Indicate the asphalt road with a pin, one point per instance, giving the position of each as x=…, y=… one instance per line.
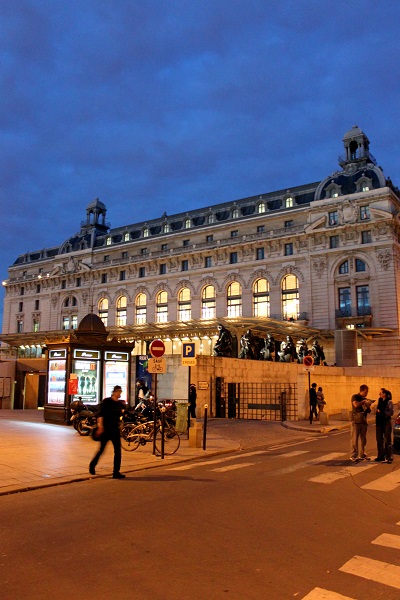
x=277, y=523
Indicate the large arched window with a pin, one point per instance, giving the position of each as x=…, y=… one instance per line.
x=234, y=299
x=261, y=298
x=184, y=305
x=103, y=310
x=121, y=311
x=290, y=297
x=344, y=268
x=261, y=207
x=70, y=301
x=162, y=307
x=140, y=309
x=208, y=302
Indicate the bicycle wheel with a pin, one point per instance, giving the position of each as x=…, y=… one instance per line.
x=171, y=440
x=130, y=437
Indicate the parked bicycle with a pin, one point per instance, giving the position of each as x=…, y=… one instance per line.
x=133, y=436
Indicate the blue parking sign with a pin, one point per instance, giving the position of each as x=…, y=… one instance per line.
x=188, y=350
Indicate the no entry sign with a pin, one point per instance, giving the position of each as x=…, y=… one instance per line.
x=308, y=361
x=157, y=348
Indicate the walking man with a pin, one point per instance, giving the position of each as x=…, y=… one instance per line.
x=384, y=413
x=360, y=408
x=108, y=430
x=313, y=402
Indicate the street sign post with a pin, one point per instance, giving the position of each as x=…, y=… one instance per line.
x=157, y=348
x=157, y=365
x=188, y=354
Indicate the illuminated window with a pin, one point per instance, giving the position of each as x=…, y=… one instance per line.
x=235, y=213
x=162, y=307
x=108, y=241
x=102, y=308
x=121, y=311
x=146, y=232
x=141, y=309
x=187, y=223
x=184, y=305
x=290, y=297
x=261, y=208
x=126, y=237
x=261, y=298
x=288, y=202
x=208, y=303
x=234, y=300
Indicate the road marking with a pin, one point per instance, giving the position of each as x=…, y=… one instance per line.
x=315, y=461
x=216, y=461
x=374, y=570
x=387, y=483
x=289, y=444
x=231, y=467
x=389, y=540
x=327, y=478
x=320, y=594
x=294, y=453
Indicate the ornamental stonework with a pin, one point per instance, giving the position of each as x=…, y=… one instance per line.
x=319, y=266
x=384, y=257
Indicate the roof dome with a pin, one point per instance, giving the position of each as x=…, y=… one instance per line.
x=91, y=323
x=96, y=203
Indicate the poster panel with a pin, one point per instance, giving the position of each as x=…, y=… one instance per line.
x=115, y=373
x=56, y=382
x=1, y=386
x=88, y=373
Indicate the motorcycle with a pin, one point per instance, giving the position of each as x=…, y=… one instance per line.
x=83, y=418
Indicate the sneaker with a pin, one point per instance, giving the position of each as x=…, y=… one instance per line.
x=118, y=476
x=364, y=457
x=354, y=459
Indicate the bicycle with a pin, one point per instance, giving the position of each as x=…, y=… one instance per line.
x=133, y=435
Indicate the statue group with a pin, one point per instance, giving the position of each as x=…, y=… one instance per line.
x=253, y=347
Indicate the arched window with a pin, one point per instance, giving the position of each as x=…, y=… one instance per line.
x=166, y=228
x=66, y=303
x=126, y=237
x=187, y=223
x=290, y=297
x=235, y=213
x=208, y=302
x=108, y=241
x=162, y=307
x=210, y=218
x=72, y=301
x=261, y=208
x=102, y=308
x=360, y=265
x=121, y=311
x=261, y=298
x=344, y=268
x=140, y=309
x=184, y=305
x=288, y=202
x=146, y=232
x=234, y=299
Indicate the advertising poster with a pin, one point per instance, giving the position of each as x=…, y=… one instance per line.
x=142, y=371
x=87, y=372
x=116, y=373
x=56, y=382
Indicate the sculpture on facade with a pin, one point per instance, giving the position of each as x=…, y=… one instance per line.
x=248, y=346
x=302, y=350
x=223, y=345
x=287, y=352
x=317, y=353
x=268, y=351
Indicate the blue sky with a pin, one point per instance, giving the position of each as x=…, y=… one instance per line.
x=159, y=105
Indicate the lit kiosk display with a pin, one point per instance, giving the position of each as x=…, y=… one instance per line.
x=84, y=364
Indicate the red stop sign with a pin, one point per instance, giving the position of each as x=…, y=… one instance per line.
x=308, y=361
x=157, y=348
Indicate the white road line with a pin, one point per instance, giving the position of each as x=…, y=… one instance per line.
x=387, y=483
x=289, y=444
x=293, y=453
x=374, y=570
x=327, y=478
x=320, y=594
x=389, y=540
x=231, y=467
x=315, y=461
x=216, y=461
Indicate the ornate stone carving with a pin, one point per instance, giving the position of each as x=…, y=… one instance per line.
x=319, y=266
x=384, y=257
x=54, y=300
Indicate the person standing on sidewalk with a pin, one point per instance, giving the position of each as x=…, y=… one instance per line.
x=361, y=406
x=108, y=421
x=192, y=400
x=313, y=402
x=383, y=417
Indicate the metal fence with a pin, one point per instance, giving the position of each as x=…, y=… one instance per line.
x=262, y=401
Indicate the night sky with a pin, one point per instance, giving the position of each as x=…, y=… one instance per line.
x=169, y=105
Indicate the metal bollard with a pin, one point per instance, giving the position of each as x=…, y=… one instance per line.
x=162, y=430
x=205, y=426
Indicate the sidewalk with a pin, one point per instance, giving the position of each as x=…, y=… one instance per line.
x=35, y=454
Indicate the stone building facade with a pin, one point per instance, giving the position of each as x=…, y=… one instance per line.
x=305, y=261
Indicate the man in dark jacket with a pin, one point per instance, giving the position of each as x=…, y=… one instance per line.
x=384, y=413
x=192, y=400
x=108, y=421
x=313, y=402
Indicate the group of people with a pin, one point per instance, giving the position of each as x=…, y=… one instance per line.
x=361, y=407
x=317, y=400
